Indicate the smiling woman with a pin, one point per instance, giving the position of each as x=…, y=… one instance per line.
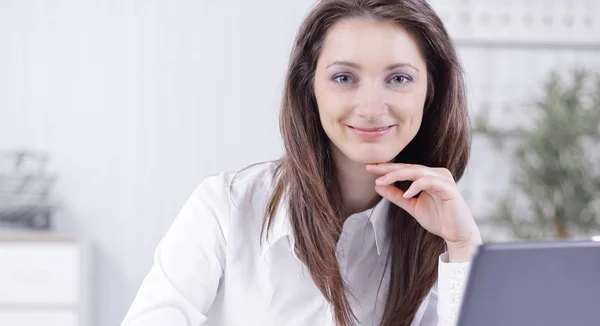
x=375, y=127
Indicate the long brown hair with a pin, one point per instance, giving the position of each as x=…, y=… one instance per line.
x=306, y=176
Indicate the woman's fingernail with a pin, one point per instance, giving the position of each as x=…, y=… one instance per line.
x=379, y=181
x=407, y=193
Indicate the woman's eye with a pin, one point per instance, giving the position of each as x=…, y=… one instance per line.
x=400, y=79
x=343, y=79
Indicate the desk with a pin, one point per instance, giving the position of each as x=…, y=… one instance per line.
x=40, y=280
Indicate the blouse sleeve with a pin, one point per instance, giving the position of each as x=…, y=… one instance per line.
x=452, y=279
x=446, y=296
x=189, y=263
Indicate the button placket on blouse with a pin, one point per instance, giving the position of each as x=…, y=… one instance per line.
x=352, y=226
x=342, y=248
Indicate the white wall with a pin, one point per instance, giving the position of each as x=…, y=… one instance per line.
x=137, y=101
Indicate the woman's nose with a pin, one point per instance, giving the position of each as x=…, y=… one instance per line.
x=371, y=103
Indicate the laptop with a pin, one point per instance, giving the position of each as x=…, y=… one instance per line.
x=555, y=283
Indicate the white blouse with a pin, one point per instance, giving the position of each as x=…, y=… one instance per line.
x=211, y=269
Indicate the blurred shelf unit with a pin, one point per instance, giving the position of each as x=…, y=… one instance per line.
x=522, y=23
x=41, y=280
x=25, y=186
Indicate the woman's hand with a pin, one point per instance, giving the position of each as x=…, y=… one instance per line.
x=440, y=208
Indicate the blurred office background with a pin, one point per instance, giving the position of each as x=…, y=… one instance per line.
x=111, y=112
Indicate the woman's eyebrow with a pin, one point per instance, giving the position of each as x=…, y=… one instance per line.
x=357, y=66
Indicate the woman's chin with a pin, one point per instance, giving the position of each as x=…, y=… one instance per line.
x=374, y=158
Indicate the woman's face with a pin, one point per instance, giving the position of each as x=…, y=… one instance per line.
x=370, y=86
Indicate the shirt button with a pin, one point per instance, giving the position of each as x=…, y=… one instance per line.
x=454, y=311
x=457, y=285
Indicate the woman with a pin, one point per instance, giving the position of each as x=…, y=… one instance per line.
x=361, y=222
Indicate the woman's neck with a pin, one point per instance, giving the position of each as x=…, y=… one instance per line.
x=357, y=185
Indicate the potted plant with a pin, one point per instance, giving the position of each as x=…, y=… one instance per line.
x=555, y=189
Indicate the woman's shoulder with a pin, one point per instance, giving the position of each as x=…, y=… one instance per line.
x=232, y=203
x=244, y=186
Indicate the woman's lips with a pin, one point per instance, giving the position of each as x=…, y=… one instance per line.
x=371, y=132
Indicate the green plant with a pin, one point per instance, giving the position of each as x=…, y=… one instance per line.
x=555, y=190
